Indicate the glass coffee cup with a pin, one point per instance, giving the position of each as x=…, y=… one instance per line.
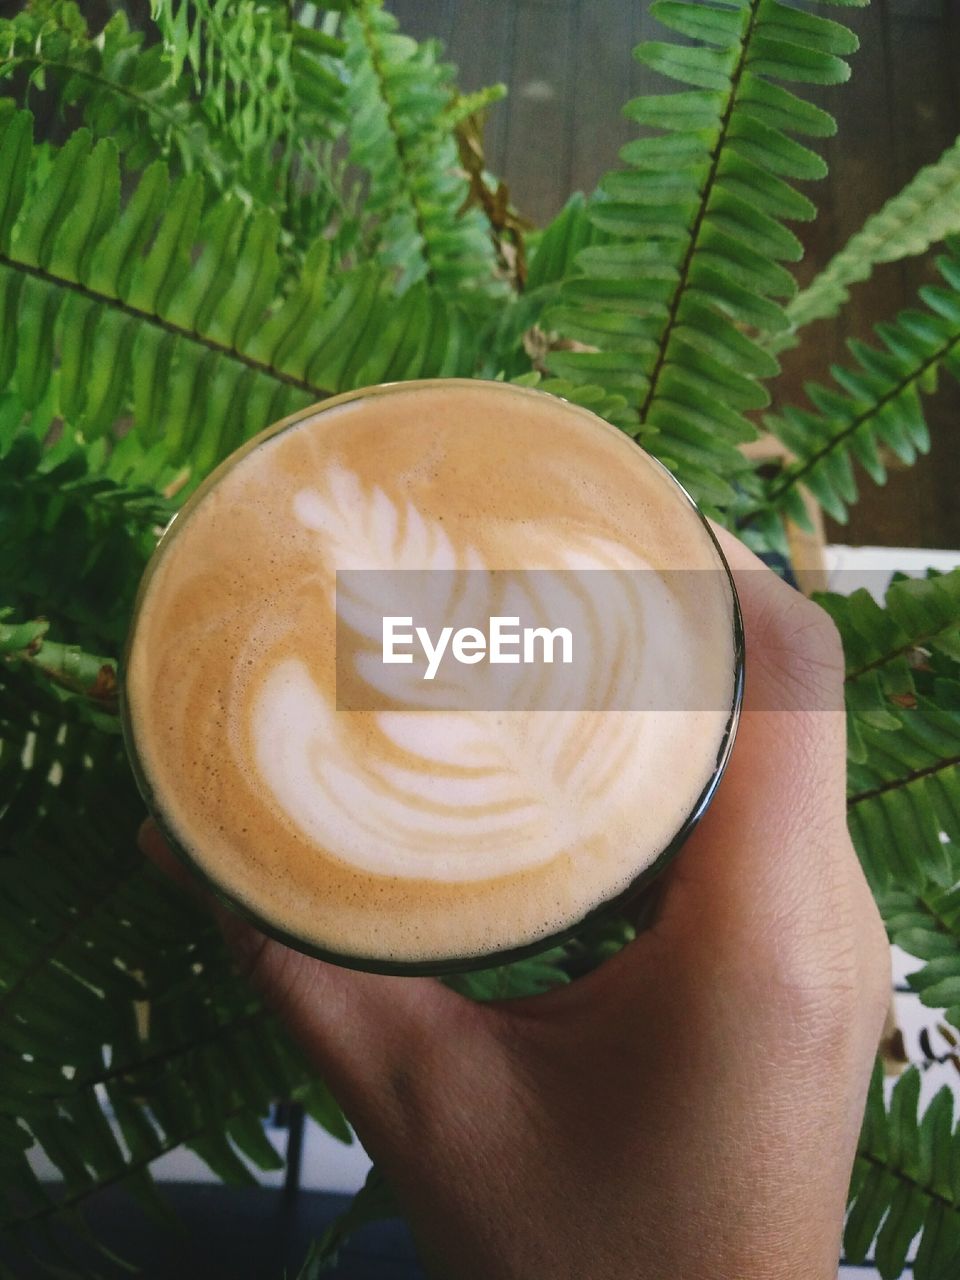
x=430, y=676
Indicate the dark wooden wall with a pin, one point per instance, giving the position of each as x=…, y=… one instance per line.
x=568, y=68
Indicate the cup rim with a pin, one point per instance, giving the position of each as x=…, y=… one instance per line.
x=437, y=966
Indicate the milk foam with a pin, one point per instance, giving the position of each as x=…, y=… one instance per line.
x=421, y=834
x=517, y=789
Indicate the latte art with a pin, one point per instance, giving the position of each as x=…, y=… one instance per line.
x=378, y=814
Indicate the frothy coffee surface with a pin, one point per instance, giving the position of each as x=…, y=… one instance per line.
x=411, y=835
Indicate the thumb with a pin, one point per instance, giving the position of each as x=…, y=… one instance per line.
x=364, y=1031
x=772, y=858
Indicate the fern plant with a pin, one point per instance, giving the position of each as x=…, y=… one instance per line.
x=238, y=209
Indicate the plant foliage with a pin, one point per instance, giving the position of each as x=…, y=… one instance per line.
x=240, y=208
x=399, y=100
x=876, y=403
x=903, y=797
x=906, y=1179
x=674, y=305
x=925, y=211
x=140, y=308
x=925, y=921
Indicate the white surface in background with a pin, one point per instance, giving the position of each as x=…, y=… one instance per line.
x=871, y=562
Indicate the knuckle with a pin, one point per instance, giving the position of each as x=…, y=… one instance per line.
x=829, y=975
x=876, y=967
x=799, y=644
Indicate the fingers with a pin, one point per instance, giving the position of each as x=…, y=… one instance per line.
x=789, y=761
x=771, y=873
x=361, y=1029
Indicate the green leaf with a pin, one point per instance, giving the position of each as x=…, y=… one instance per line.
x=397, y=102
x=879, y=401
x=42, y=218
x=704, y=68
x=925, y=211
x=222, y=344
x=14, y=154
x=898, y=1185
x=686, y=281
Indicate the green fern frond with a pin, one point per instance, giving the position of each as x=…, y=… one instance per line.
x=253, y=64
x=73, y=543
x=270, y=89
x=876, y=402
x=903, y=716
x=399, y=102
x=521, y=978
x=906, y=792
x=135, y=96
x=48, y=747
x=672, y=310
x=906, y=1179
x=605, y=404
x=506, y=350
x=124, y=90
x=925, y=922
x=925, y=211
x=888, y=649
x=554, y=250
x=170, y=308
x=125, y=1031
x=917, y=614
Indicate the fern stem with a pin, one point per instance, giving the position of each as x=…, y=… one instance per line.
x=112, y=85
x=376, y=62
x=791, y=478
x=916, y=643
x=897, y=783
x=902, y=1176
x=260, y=366
x=663, y=346
x=69, y=668
x=118, y=876
x=183, y=1049
x=216, y=1122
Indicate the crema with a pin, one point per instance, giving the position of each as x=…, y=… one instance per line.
x=369, y=813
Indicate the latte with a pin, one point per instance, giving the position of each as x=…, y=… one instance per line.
x=437, y=809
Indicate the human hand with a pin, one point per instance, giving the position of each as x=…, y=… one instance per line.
x=689, y=1109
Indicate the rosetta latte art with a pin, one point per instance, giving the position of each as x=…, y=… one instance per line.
x=465, y=795
x=368, y=812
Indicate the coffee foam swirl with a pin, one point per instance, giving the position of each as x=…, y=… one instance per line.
x=414, y=834
x=462, y=795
